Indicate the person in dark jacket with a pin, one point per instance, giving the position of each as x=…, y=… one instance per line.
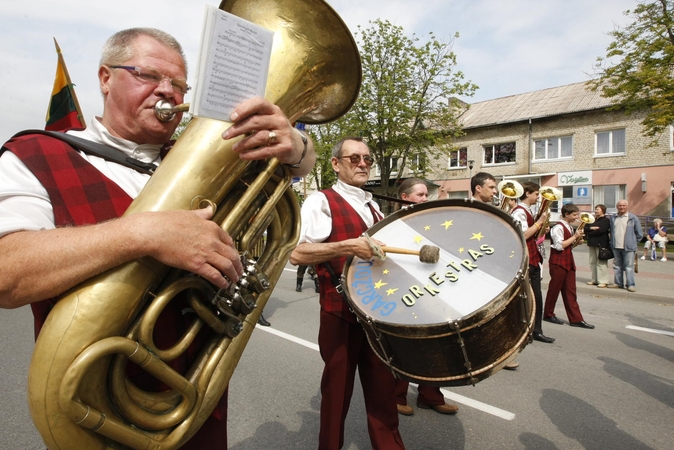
x=598, y=236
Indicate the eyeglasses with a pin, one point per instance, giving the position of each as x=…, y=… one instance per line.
x=151, y=76
x=355, y=159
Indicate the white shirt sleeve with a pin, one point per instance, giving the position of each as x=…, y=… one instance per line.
x=24, y=202
x=557, y=235
x=521, y=216
x=316, y=219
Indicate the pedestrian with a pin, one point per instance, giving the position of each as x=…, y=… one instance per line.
x=626, y=233
x=598, y=237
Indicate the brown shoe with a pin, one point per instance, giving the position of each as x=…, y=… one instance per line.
x=512, y=366
x=442, y=409
x=405, y=410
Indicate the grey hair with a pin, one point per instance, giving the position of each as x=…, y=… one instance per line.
x=337, y=148
x=119, y=49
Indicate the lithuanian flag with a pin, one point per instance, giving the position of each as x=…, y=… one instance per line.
x=64, y=110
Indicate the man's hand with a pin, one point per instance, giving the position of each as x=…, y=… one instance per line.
x=268, y=133
x=188, y=240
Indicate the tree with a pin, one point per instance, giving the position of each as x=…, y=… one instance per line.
x=406, y=111
x=642, y=77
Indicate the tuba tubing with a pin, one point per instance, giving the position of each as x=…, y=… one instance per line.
x=79, y=358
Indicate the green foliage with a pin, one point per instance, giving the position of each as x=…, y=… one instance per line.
x=182, y=125
x=406, y=112
x=642, y=77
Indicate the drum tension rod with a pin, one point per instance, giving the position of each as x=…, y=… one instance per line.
x=456, y=325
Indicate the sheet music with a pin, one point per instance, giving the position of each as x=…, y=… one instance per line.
x=233, y=64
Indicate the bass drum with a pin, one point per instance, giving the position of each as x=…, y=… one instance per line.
x=454, y=322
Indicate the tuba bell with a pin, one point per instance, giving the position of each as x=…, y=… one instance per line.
x=548, y=195
x=509, y=189
x=79, y=394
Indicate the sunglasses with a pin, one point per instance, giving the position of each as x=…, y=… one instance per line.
x=355, y=159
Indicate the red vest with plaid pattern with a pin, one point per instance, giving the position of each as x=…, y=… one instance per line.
x=79, y=193
x=565, y=257
x=534, y=254
x=346, y=224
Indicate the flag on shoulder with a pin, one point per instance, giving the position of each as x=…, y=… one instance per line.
x=64, y=110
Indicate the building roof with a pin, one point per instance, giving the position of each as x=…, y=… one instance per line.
x=555, y=101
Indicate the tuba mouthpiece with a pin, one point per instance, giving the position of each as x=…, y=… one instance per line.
x=166, y=112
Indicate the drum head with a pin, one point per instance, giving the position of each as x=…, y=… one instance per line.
x=482, y=254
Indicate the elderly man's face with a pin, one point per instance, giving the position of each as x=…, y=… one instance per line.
x=354, y=174
x=622, y=207
x=129, y=101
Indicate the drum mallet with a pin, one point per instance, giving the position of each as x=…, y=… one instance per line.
x=428, y=254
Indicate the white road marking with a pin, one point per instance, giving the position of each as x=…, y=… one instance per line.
x=650, y=330
x=489, y=409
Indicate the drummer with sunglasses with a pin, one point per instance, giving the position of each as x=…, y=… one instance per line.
x=333, y=221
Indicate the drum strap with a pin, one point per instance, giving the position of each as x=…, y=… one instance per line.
x=335, y=280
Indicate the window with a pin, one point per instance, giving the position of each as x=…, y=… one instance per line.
x=553, y=148
x=671, y=137
x=499, y=153
x=610, y=142
x=412, y=164
x=608, y=196
x=458, y=158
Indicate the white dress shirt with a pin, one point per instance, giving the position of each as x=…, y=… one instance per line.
x=316, y=216
x=557, y=234
x=24, y=202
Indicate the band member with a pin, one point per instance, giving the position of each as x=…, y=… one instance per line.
x=60, y=209
x=522, y=213
x=332, y=223
x=563, y=269
x=415, y=190
x=483, y=188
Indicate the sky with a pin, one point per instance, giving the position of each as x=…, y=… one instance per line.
x=506, y=47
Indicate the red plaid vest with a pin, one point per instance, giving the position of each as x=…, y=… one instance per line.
x=565, y=257
x=79, y=193
x=534, y=254
x=346, y=224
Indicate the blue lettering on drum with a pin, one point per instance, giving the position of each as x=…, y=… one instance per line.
x=364, y=287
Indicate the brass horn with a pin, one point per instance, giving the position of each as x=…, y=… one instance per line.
x=79, y=395
x=509, y=189
x=548, y=195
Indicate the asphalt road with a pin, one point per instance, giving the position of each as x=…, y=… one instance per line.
x=608, y=388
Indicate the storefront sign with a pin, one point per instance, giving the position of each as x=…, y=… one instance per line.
x=581, y=195
x=575, y=178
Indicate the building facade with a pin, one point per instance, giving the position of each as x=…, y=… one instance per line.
x=566, y=138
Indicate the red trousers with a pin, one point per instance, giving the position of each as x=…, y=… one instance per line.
x=564, y=281
x=344, y=348
x=429, y=395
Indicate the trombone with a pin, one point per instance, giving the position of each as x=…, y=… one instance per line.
x=509, y=189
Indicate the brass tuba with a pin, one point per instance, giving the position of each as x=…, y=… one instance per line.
x=79, y=395
x=548, y=195
x=509, y=189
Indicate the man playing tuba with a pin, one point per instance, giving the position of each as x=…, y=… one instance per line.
x=64, y=205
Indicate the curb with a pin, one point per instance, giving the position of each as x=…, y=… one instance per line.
x=616, y=293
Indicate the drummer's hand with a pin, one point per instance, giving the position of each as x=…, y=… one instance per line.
x=361, y=248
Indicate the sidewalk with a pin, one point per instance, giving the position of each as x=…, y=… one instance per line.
x=654, y=281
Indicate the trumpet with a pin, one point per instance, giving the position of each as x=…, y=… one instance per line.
x=548, y=195
x=509, y=189
x=586, y=218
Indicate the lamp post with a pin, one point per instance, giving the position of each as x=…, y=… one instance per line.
x=470, y=168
